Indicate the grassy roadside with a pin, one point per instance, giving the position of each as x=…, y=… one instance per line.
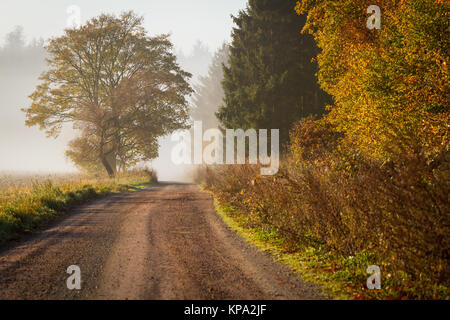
x=26, y=208
x=340, y=277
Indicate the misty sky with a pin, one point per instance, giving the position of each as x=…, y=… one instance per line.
x=24, y=148
x=187, y=21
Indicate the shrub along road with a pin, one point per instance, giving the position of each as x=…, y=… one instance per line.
x=165, y=242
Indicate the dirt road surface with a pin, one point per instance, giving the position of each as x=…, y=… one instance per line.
x=165, y=242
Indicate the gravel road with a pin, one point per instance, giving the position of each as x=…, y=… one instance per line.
x=165, y=242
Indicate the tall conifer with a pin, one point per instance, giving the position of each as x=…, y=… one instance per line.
x=270, y=82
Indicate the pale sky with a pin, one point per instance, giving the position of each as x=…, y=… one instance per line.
x=187, y=21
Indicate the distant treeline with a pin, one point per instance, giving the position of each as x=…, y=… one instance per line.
x=17, y=57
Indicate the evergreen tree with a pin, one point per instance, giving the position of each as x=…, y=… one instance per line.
x=196, y=62
x=209, y=93
x=271, y=80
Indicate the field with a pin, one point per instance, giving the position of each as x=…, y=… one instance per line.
x=29, y=201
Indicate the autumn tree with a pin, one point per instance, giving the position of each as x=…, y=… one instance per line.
x=270, y=82
x=209, y=92
x=121, y=88
x=390, y=85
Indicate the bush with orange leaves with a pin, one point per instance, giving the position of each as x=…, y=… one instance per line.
x=326, y=197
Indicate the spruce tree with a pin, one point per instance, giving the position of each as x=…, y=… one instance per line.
x=270, y=81
x=209, y=93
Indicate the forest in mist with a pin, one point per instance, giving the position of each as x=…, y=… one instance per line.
x=22, y=148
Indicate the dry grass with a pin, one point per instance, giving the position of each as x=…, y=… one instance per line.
x=30, y=201
x=393, y=215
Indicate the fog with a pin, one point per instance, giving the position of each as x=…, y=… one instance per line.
x=23, y=148
x=195, y=62
x=197, y=29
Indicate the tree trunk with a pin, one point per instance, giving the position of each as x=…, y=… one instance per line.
x=109, y=169
x=112, y=160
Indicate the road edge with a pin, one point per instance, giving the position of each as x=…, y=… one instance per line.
x=298, y=264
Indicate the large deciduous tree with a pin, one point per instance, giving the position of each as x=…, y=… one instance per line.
x=270, y=82
x=120, y=87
